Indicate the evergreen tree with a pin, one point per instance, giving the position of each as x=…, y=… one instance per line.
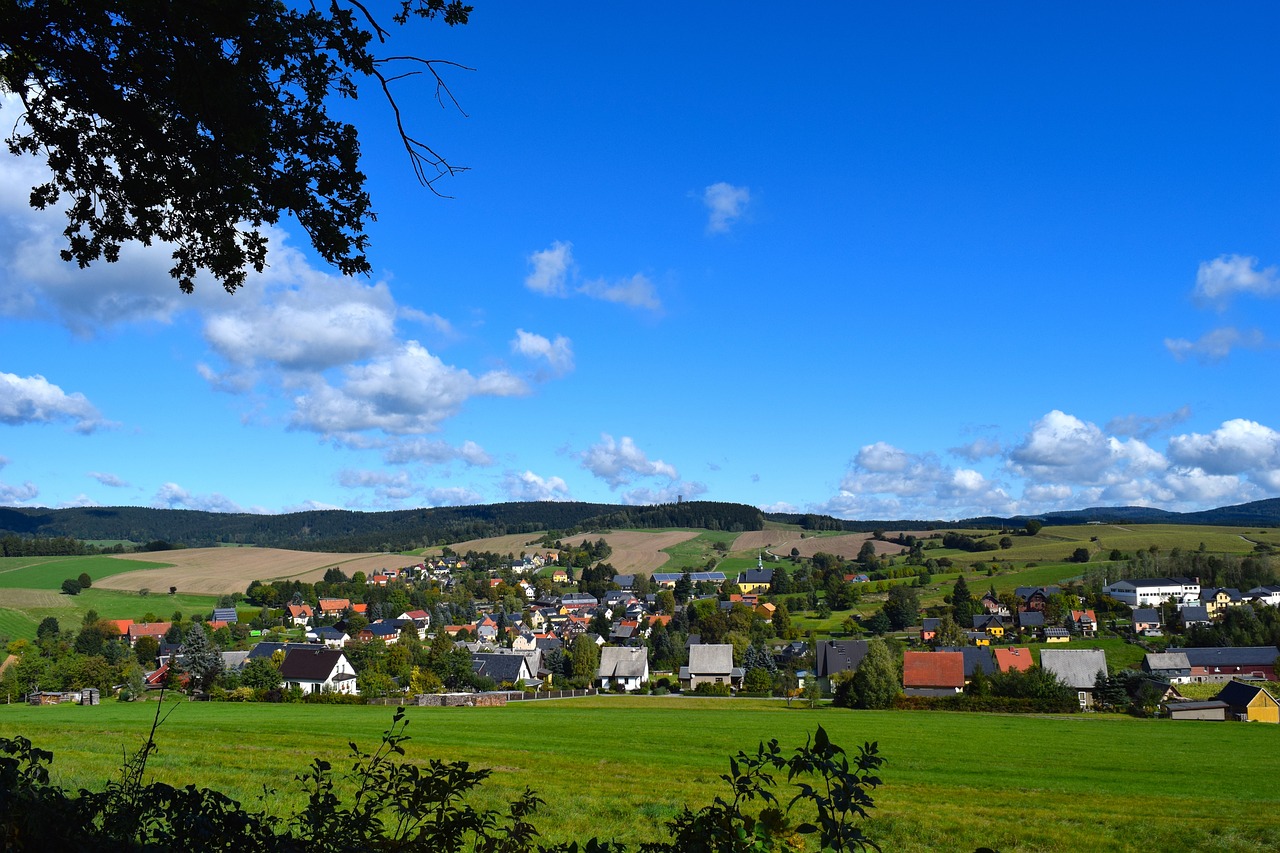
x=877, y=681
x=962, y=603
x=200, y=659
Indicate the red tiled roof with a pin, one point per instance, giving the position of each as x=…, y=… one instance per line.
x=360, y=608
x=1018, y=658
x=330, y=605
x=149, y=629
x=933, y=669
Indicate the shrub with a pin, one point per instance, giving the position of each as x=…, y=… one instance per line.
x=71, y=586
x=706, y=688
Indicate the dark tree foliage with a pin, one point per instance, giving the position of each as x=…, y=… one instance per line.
x=198, y=123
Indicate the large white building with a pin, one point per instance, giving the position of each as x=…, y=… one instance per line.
x=1148, y=592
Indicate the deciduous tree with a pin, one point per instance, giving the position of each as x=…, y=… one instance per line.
x=197, y=124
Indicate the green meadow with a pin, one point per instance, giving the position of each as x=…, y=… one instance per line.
x=50, y=572
x=618, y=767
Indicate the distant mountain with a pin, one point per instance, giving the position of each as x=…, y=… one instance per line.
x=347, y=531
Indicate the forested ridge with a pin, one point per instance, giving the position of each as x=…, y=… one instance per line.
x=350, y=531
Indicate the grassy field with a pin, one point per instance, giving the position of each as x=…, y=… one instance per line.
x=50, y=572
x=24, y=608
x=619, y=767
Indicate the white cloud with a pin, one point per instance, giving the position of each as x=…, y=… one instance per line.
x=554, y=271
x=1237, y=447
x=528, y=486
x=387, y=486
x=666, y=495
x=1217, y=281
x=1216, y=345
x=435, y=452
x=452, y=496
x=550, y=269
x=726, y=204
x=310, y=506
x=558, y=353
x=18, y=495
x=110, y=480
x=173, y=496
x=1063, y=448
x=620, y=462
x=884, y=482
x=34, y=399
x=79, y=500
x=410, y=391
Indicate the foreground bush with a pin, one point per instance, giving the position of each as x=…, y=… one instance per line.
x=402, y=806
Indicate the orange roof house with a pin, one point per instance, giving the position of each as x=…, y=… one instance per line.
x=334, y=606
x=932, y=673
x=1015, y=657
x=156, y=630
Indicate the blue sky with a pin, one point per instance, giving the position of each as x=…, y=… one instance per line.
x=930, y=261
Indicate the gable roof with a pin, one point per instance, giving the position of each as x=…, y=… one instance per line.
x=1146, y=614
x=1166, y=660
x=500, y=667
x=707, y=658
x=224, y=614
x=1239, y=694
x=975, y=658
x=839, y=656
x=932, y=669
x=618, y=662
x=310, y=664
x=1078, y=668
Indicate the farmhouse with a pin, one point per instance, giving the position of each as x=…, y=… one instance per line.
x=1172, y=666
x=316, y=670
x=835, y=656
x=155, y=630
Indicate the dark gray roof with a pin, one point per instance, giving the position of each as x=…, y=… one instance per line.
x=1239, y=694
x=929, y=624
x=839, y=656
x=224, y=614
x=266, y=650
x=624, y=581
x=1146, y=614
x=756, y=576
x=310, y=664
x=975, y=658
x=1242, y=656
x=1031, y=619
x=499, y=667
x=1195, y=613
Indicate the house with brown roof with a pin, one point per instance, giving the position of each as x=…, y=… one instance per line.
x=300, y=614
x=932, y=673
x=334, y=606
x=155, y=630
x=318, y=670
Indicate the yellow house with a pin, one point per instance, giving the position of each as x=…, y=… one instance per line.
x=1250, y=702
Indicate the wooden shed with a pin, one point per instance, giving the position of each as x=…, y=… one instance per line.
x=1250, y=702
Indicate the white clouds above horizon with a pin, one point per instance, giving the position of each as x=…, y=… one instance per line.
x=621, y=462
x=528, y=486
x=553, y=272
x=1064, y=462
x=174, y=496
x=558, y=353
x=725, y=204
x=108, y=480
x=1220, y=280
x=34, y=399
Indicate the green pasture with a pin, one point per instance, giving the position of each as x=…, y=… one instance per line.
x=50, y=572
x=618, y=767
x=694, y=553
x=21, y=610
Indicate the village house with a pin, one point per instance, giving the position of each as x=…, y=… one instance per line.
x=990, y=624
x=504, y=669
x=333, y=607
x=625, y=667
x=932, y=673
x=1085, y=622
x=300, y=615
x=1077, y=668
x=929, y=629
x=1173, y=666
x=1216, y=601
x=710, y=664
x=155, y=630
x=316, y=670
x=1013, y=658
x=1146, y=622
x=832, y=657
